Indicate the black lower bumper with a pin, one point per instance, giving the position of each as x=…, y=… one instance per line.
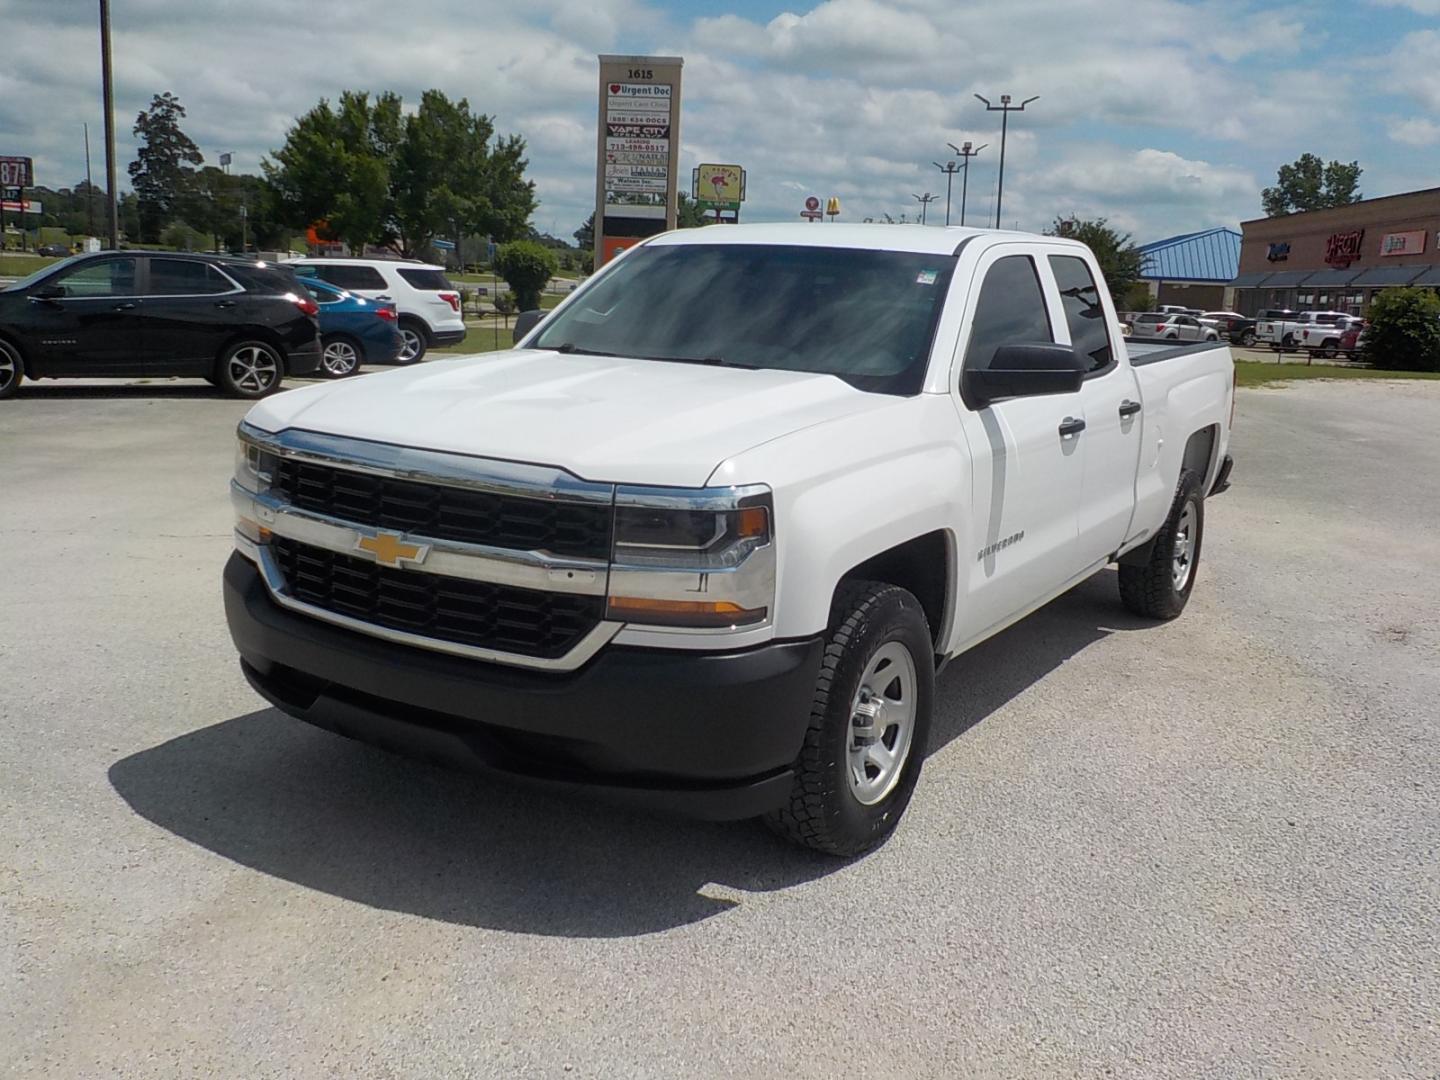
x=708, y=734
x=304, y=359
x=441, y=338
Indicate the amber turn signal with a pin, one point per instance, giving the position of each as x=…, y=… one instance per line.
x=710, y=614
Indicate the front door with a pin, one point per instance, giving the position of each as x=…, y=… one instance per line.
x=91, y=325
x=191, y=310
x=1113, y=421
x=1027, y=471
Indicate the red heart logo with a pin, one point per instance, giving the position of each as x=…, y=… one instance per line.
x=614, y=87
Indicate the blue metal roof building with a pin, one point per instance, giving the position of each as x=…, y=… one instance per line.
x=1208, y=257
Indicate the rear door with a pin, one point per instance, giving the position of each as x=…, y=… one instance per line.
x=437, y=299
x=190, y=313
x=1025, y=475
x=93, y=327
x=1110, y=399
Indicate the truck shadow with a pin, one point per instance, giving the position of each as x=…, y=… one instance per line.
x=329, y=814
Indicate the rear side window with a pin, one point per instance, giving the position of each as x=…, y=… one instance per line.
x=351, y=277
x=430, y=280
x=1010, y=311
x=185, y=277
x=1084, y=313
x=321, y=295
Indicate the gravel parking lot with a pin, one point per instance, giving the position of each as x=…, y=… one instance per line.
x=1204, y=849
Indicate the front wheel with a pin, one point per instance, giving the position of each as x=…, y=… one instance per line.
x=12, y=371
x=1247, y=338
x=413, y=344
x=869, y=723
x=250, y=369
x=340, y=358
x=1160, y=586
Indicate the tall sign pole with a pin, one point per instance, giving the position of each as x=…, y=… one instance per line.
x=637, y=151
x=966, y=151
x=1004, y=109
x=108, y=92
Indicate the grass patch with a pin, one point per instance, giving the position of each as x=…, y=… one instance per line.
x=16, y=265
x=485, y=335
x=1258, y=373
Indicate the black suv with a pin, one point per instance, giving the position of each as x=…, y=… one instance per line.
x=239, y=323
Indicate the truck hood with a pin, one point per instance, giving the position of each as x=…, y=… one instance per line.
x=610, y=419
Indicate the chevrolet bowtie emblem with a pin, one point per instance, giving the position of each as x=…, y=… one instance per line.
x=390, y=550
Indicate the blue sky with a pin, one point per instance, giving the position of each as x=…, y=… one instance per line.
x=1163, y=115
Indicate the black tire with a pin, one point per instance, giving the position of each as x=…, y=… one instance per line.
x=12, y=369
x=1172, y=337
x=1247, y=338
x=1288, y=341
x=250, y=369
x=340, y=356
x=871, y=622
x=417, y=341
x=1153, y=588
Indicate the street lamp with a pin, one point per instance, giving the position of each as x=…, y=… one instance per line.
x=965, y=151
x=1005, y=109
x=949, y=169
x=924, y=201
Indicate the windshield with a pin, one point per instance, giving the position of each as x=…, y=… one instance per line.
x=865, y=316
x=45, y=271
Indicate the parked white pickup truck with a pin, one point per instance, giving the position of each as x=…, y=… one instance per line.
x=1287, y=333
x=703, y=539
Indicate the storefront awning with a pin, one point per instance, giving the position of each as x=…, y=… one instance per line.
x=1330, y=279
x=1429, y=275
x=1249, y=281
x=1389, y=275
x=1287, y=279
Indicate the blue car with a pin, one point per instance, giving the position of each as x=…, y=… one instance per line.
x=353, y=330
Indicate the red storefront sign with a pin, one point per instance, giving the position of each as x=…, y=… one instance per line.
x=1344, y=248
x=1403, y=243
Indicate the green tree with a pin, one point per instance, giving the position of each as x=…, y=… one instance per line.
x=688, y=214
x=1118, y=257
x=1307, y=183
x=585, y=235
x=1404, y=331
x=526, y=266
x=164, y=165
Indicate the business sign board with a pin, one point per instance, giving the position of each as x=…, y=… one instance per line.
x=1403, y=243
x=637, y=147
x=16, y=206
x=718, y=184
x=1341, y=249
x=16, y=172
x=1278, y=252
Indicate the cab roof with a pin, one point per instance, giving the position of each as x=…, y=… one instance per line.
x=920, y=239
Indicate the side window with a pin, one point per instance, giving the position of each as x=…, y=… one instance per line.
x=109, y=277
x=1084, y=313
x=321, y=295
x=351, y=277
x=1010, y=311
x=184, y=277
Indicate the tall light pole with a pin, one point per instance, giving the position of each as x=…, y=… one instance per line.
x=1004, y=109
x=925, y=201
x=966, y=151
x=949, y=169
x=108, y=92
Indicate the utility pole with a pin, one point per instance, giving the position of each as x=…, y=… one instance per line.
x=966, y=151
x=925, y=201
x=108, y=91
x=949, y=169
x=89, y=187
x=1004, y=109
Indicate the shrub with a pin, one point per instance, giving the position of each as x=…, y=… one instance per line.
x=1404, y=332
x=526, y=266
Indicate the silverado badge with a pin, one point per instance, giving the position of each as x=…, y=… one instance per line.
x=390, y=550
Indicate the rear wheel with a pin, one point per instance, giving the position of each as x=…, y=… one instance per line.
x=1247, y=338
x=341, y=356
x=869, y=723
x=12, y=370
x=413, y=342
x=1159, y=587
x=250, y=369
x=1288, y=341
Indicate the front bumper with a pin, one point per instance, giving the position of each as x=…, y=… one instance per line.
x=713, y=735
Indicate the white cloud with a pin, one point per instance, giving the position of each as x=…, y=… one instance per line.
x=1420, y=7
x=1415, y=131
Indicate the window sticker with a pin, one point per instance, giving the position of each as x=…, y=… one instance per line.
x=927, y=277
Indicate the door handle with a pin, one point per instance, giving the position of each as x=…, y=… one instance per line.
x=124, y=307
x=1071, y=426
x=224, y=303
x=1129, y=408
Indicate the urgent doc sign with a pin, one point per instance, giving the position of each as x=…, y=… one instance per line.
x=637, y=147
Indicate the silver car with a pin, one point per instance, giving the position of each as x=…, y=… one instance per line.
x=1174, y=328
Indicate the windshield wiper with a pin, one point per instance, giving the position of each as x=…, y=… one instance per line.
x=708, y=361
x=569, y=347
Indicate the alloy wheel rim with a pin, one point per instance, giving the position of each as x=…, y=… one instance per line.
x=1184, y=550
x=882, y=723
x=340, y=358
x=8, y=368
x=411, y=348
x=254, y=369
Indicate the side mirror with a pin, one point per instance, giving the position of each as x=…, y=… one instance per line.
x=525, y=322
x=1024, y=371
x=48, y=292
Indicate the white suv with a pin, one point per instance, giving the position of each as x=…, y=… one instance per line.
x=428, y=305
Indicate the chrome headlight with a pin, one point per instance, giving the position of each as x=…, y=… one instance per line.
x=254, y=468
x=702, y=558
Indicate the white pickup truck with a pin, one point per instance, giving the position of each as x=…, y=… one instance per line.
x=704, y=537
